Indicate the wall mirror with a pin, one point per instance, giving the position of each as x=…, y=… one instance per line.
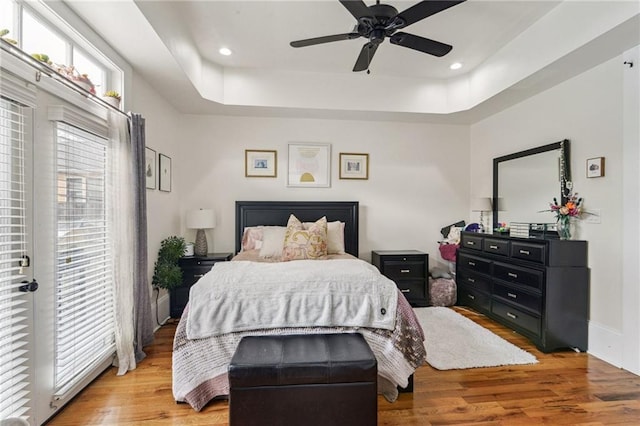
x=525, y=182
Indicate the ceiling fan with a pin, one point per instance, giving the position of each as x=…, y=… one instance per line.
x=382, y=20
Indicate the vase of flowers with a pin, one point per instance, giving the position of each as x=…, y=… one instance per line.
x=566, y=215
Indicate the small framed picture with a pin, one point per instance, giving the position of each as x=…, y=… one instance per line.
x=150, y=167
x=354, y=166
x=260, y=163
x=595, y=167
x=165, y=173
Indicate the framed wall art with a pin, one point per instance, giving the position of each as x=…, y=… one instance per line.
x=354, y=166
x=260, y=163
x=595, y=167
x=165, y=173
x=150, y=167
x=309, y=165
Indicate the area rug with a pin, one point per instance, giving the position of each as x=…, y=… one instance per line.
x=453, y=342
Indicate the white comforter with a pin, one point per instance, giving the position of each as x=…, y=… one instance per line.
x=241, y=296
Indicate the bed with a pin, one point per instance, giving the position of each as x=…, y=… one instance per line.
x=200, y=359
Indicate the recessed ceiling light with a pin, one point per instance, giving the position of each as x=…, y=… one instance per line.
x=225, y=51
x=455, y=66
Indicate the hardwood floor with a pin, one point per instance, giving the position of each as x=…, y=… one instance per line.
x=563, y=388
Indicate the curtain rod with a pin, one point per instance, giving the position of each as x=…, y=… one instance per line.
x=40, y=67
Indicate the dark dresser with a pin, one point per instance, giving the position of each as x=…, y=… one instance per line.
x=193, y=268
x=409, y=269
x=537, y=287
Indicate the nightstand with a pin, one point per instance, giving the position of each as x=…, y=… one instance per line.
x=193, y=268
x=408, y=269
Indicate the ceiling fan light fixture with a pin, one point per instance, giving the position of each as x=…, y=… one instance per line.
x=225, y=51
x=455, y=66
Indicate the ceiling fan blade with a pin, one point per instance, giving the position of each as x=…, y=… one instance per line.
x=357, y=8
x=365, y=57
x=421, y=44
x=325, y=39
x=423, y=10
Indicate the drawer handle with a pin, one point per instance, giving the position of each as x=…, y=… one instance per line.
x=405, y=271
x=198, y=275
x=512, y=316
x=471, y=297
x=405, y=290
x=493, y=247
x=525, y=252
x=511, y=295
x=471, y=280
x=512, y=275
x=471, y=243
x=472, y=263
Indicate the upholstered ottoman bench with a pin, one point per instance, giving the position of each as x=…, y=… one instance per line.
x=311, y=379
x=443, y=292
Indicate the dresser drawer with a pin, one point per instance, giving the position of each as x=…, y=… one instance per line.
x=494, y=246
x=514, y=274
x=192, y=274
x=473, y=298
x=474, y=281
x=473, y=242
x=516, y=296
x=400, y=269
x=528, y=251
x=412, y=289
x=517, y=317
x=475, y=264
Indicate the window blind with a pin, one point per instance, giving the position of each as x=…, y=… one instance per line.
x=84, y=311
x=14, y=361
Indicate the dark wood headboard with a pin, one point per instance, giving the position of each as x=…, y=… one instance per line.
x=276, y=213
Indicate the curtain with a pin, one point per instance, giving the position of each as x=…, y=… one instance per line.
x=142, y=306
x=121, y=206
x=134, y=326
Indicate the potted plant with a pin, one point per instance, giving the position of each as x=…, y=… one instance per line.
x=3, y=35
x=82, y=80
x=167, y=273
x=112, y=98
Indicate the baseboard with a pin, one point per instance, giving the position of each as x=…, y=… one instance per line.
x=162, y=306
x=605, y=343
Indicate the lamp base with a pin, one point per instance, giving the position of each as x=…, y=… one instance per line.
x=201, y=249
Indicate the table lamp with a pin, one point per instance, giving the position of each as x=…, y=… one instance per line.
x=481, y=204
x=201, y=219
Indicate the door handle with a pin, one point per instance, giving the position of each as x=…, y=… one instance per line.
x=29, y=286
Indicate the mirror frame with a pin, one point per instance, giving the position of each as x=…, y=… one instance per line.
x=565, y=181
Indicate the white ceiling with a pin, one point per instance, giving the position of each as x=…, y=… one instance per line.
x=174, y=46
x=259, y=33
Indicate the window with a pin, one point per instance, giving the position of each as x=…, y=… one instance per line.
x=38, y=38
x=14, y=354
x=84, y=317
x=35, y=34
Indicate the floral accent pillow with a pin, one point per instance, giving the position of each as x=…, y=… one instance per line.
x=302, y=244
x=335, y=236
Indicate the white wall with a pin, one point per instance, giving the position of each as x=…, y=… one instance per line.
x=588, y=111
x=418, y=179
x=163, y=136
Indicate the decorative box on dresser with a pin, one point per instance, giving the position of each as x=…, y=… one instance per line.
x=537, y=287
x=408, y=269
x=193, y=268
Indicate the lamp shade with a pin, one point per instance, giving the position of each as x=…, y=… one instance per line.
x=481, y=204
x=201, y=219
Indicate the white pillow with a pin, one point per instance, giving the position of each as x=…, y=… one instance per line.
x=272, y=241
x=454, y=235
x=335, y=236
